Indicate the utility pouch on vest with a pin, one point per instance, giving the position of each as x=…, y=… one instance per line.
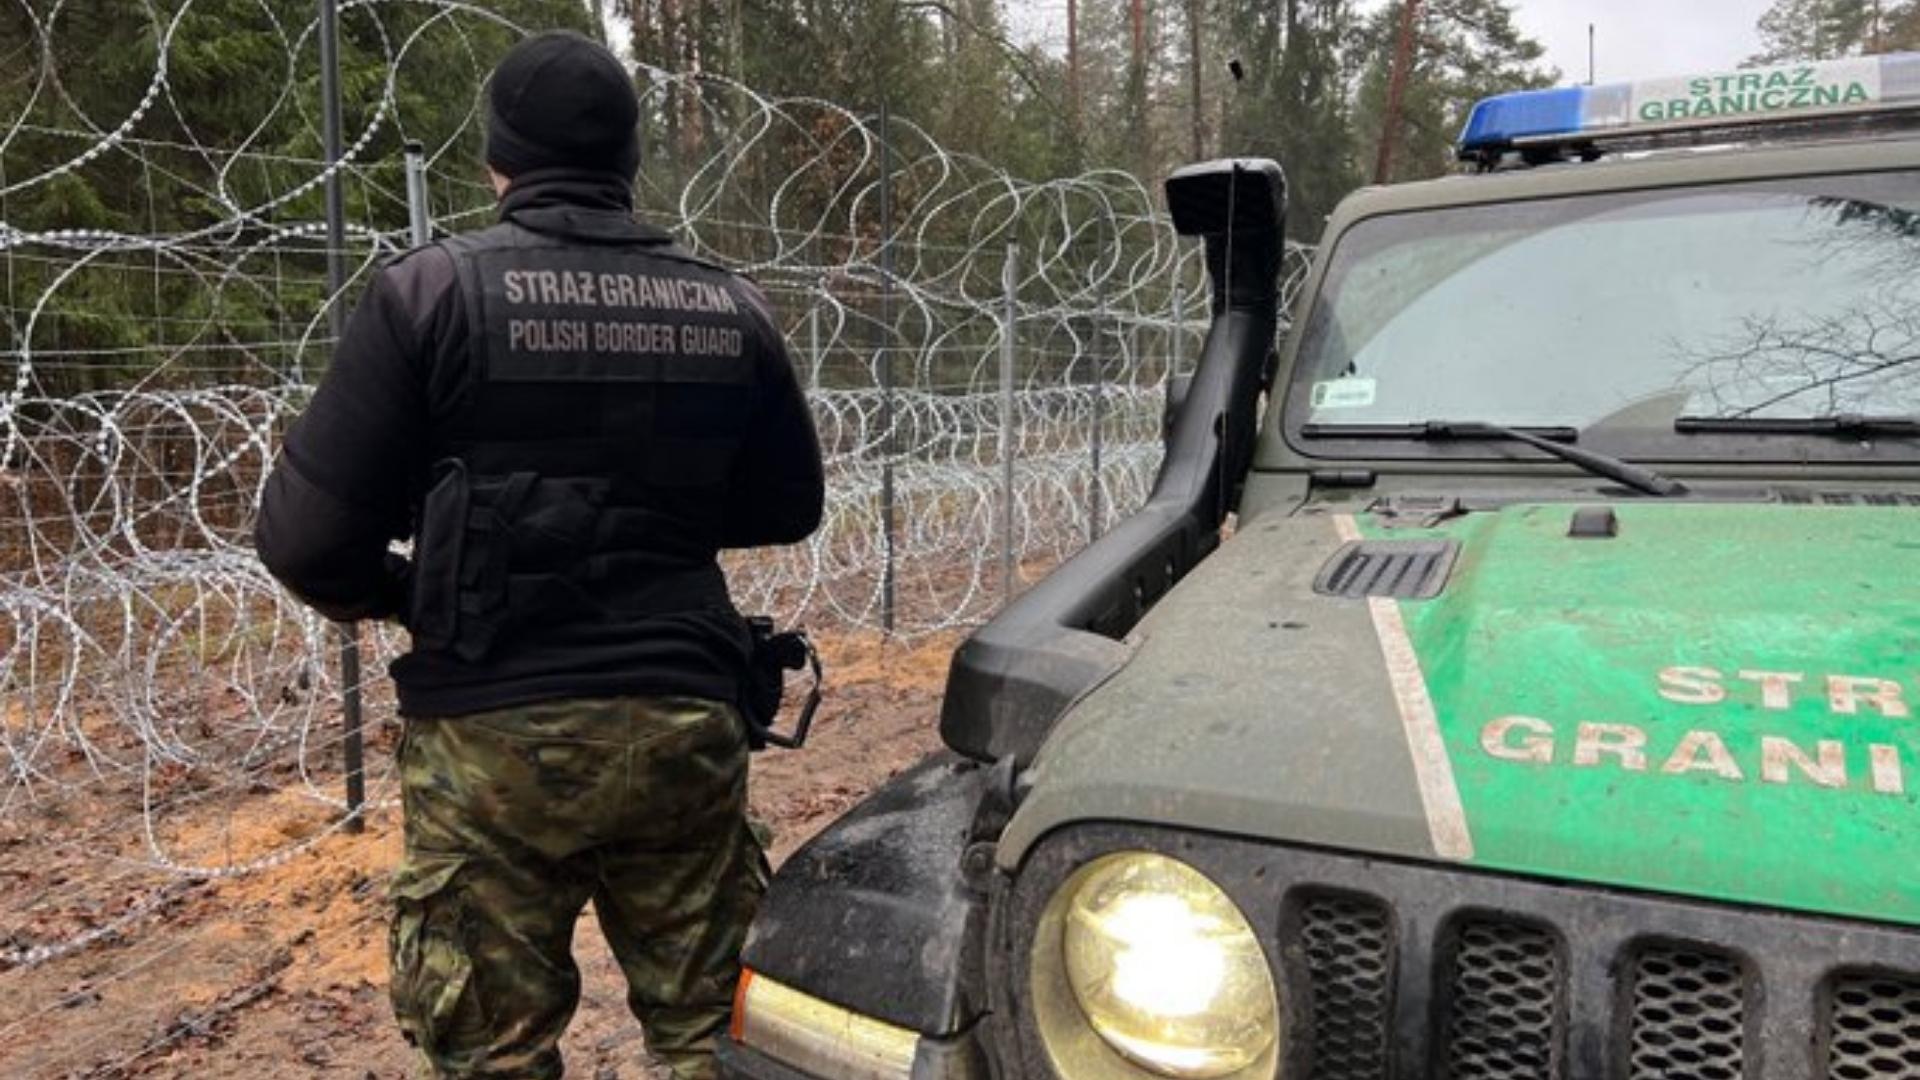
x=486, y=586
x=774, y=654
x=433, y=608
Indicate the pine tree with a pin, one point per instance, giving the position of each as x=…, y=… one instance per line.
x=1464, y=50
x=1816, y=30
x=1293, y=103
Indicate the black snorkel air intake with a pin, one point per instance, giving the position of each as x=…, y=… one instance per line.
x=1017, y=674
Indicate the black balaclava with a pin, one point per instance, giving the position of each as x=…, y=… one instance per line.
x=560, y=101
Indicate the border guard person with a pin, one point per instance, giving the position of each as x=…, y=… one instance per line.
x=569, y=416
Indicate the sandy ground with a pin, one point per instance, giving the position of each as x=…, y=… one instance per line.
x=283, y=972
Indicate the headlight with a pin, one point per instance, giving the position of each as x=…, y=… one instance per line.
x=1162, y=965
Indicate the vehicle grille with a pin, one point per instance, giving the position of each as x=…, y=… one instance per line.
x=1687, y=1016
x=1503, y=1011
x=1588, y=984
x=1686, y=1009
x=1348, y=949
x=1874, y=1031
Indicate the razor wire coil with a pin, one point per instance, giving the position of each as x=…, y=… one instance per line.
x=149, y=661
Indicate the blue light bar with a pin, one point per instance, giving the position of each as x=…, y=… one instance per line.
x=1756, y=96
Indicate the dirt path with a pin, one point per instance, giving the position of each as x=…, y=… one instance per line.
x=283, y=973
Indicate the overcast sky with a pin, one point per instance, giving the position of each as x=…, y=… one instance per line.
x=1638, y=39
x=1634, y=39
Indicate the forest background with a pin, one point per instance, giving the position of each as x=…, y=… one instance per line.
x=1140, y=86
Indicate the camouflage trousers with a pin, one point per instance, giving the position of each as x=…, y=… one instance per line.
x=514, y=821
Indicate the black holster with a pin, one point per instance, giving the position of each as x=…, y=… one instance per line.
x=773, y=655
x=433, y=606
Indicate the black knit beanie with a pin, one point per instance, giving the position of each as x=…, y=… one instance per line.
x=559, y=100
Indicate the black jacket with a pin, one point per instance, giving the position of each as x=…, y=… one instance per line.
x=409, y=391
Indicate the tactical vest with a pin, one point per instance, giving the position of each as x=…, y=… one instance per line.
x=582, y=472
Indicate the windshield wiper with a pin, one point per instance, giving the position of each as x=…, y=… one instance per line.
x=1839, y=425
x=1555, y=441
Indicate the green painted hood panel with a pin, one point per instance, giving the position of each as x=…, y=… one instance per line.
x=1716, y=702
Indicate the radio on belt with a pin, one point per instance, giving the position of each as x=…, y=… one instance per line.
x=1583, y=121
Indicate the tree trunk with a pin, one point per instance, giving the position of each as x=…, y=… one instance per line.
x=736, y=44
x=640, y=25
x=1073, y=66
x=1139, y=108
x=1396, y=92
x=1194, y=8
x=671, y=60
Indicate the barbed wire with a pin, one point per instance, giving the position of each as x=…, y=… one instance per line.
x=149, y=666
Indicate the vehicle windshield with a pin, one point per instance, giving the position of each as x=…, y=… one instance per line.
x=1622, y=313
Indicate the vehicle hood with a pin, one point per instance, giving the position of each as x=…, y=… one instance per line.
x=1715, y=701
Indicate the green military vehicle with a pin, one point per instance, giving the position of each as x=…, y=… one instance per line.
x=1548, y=711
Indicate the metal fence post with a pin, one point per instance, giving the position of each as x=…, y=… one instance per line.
x=336, y=326
x=1096, y=509
x=1177, y=339
x=1009, y=284
x=813, y=341
x=889, y=442
x=418, y=219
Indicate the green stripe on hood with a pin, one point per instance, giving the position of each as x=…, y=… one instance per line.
x=1719, y=701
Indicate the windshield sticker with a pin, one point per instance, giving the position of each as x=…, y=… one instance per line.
x=1352, y=392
